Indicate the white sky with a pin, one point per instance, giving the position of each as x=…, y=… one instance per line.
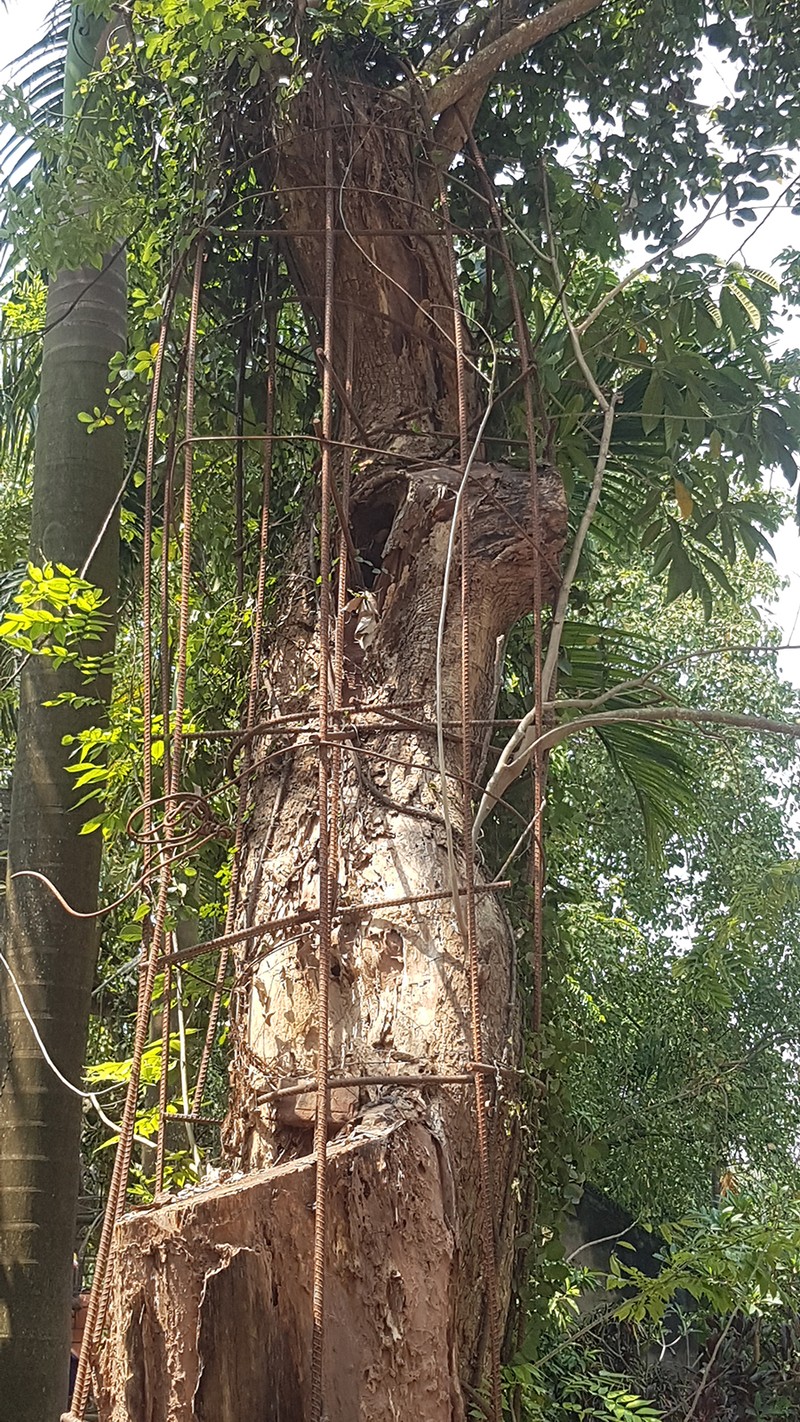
x=21, y=24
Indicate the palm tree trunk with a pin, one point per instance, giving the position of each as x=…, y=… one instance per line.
x=52, y=956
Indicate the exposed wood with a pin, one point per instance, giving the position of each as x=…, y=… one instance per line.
x=211, y=1303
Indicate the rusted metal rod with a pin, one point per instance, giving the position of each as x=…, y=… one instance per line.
x=309, y=917
x=307, y=1085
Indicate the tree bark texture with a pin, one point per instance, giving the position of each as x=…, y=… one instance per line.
x=396, y=288
x=220, y=1280
x=53, y=955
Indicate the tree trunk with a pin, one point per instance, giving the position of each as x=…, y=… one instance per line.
x=211, y=1309
x=51, y=954
x=76, y=483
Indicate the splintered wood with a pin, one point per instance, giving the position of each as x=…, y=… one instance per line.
x=211, y=1303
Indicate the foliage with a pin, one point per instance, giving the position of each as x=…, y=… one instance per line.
x=679, y=975
x=715, y=1326
x=740, y=1256
x=58, y=612
x=673, y=1024
x=673, y=997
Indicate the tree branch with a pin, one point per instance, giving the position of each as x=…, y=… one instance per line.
x=649, y=714
x=455, y=123
x=658, y=256
x=636, y=715
x=483, y=65
x=481, y=26
x=515, y=753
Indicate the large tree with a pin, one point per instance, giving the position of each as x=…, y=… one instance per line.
x=357, y=120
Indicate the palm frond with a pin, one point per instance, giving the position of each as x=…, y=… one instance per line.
x=20, y=360
x=38, y=77
x=595, y=658
x=656, y=761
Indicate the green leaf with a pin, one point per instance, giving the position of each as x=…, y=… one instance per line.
x=764, y=278
x=751, y=310
x=652, y=403
x=681, y=574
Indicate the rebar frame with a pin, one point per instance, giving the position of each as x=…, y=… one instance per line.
x=167, y=844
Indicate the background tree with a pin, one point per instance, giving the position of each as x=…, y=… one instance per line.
x=681, y=960
x=50, y=957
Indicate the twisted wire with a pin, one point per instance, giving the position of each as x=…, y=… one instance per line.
x=147, y=693
x=539, y=692
x=147, y=573
x=180, y=689
x=163, y=1078
x=470, y=930
x=345, y=557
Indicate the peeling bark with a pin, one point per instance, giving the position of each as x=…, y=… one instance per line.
x=400, y=995
x=399, y=1002
x=211, y=1309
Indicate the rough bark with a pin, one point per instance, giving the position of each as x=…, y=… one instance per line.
x=228, y=1271
x=399, y=1003
x=395, y=287
x=233, y=1264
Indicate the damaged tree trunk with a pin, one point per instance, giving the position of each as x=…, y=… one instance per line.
x=211, y=1299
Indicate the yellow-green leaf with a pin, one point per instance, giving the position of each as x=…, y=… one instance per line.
x=684, y=499
x=749, y=307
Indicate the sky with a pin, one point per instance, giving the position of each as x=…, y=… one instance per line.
x=21, y=22
x=762, y=248
x=757, y=245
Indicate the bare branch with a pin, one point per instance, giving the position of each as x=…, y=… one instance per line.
x=653, y=714
x=709, y=1365
x=645, y=266
x=481, y=26
x=515, y=753
x=481, y=67
x=562, y=604
x=645, y=681
x=455, y=123
x=583, y=365
x=608, y=408
x=527, y=743
x=518, y=749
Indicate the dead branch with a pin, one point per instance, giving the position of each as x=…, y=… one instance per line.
x=632, y=715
